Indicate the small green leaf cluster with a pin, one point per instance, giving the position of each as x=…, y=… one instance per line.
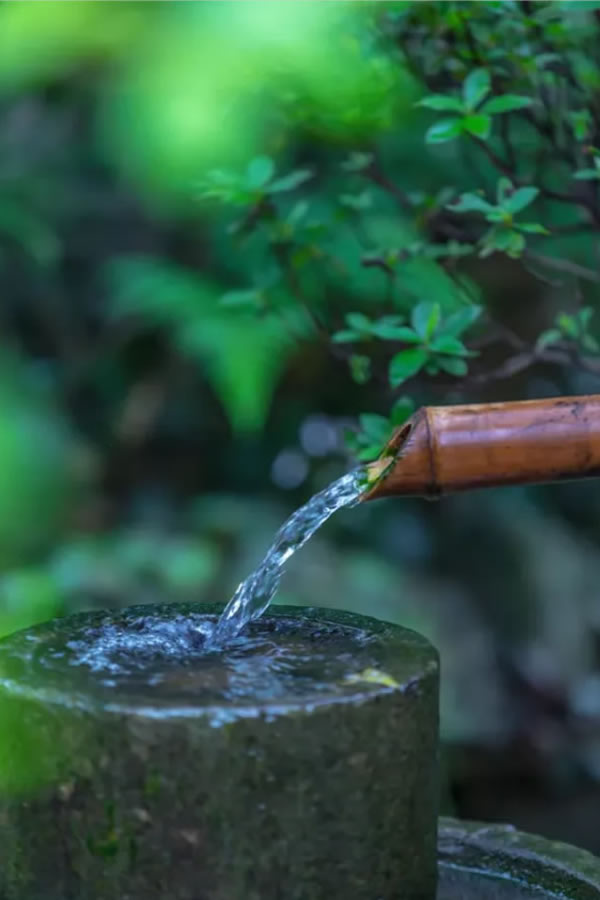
x=250, y=187
x=432, y=342
x=436, y=344
x=506, y=234
x=376, y=430
x=472, y=116
x=581, y=123
x=571, y=329
x=588, y=174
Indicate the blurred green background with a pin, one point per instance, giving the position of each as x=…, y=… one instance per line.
x=165, y=400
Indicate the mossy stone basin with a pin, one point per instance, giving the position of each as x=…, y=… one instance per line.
x=497, y=862
x=298, y=764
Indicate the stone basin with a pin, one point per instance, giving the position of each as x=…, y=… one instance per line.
x=299, y=763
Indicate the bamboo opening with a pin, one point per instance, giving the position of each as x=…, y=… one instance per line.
x=455, y=448
x=377, y=469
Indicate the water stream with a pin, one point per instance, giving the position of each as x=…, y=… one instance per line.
x=254, y=594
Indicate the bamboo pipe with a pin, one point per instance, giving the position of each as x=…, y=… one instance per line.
x=443, y=449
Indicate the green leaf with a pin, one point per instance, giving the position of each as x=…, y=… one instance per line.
x=504, y=189
x=587, y=175
x=248, y=299
x=221, y=178
x=163, y=293
x=455, y=249
x=580, y=122
x=441, y=102
x=425, y=318
x=449, y=345
x=406, y=364
x=476, y=86
x=498, y=214
x=505, y=103
x=396, y=333
x=345, y=337
x=360, y=368
x=402, y=410
x=585, y=315
x=375, y=427
x=568, y=325
x=546, y=338
x=515, y=244
x=243, y=358
x=359, y=322
x=590, y=343
x=351, y=439
x=219, y=185
x=391, y=320
x=442, y=131
x=356, y=162
x=242, y=355
x=461, y=320
x=531, y=228
x=297, y=212
x=453, y=365
x=260, y=171
x=478, y=125
x=470, y=203
x=357, y=201
x=506, y=240
x=369, y=453
x=290, y=182
x=520, y=199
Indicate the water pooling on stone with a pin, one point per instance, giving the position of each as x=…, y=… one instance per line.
x=155, y=655
x=255, y=593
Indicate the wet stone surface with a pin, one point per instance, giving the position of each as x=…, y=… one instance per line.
x=479, y=886
x=497, y=862
x=153, y=657
x=135, y=763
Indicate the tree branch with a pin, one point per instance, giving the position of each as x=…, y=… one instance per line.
x=521, y=361
x=563, y=265
x=375, y=174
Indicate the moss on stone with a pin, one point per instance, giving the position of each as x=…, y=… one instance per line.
x=485, y=862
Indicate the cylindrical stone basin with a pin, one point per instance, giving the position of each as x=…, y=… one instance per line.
x=300, y=763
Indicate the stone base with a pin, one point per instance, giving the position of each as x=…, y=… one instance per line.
x=496, y=862
x=300, y=766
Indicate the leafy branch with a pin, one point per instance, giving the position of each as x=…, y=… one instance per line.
x=513, y=93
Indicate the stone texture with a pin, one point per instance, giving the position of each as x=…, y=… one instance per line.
x=497, y=862
x=110, y=796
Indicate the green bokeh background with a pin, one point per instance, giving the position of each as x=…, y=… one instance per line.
x=152, y=437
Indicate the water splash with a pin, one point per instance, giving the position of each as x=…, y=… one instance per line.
x=151, y=661
x=254, y=594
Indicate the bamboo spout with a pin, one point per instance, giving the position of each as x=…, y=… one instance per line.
x=457, y=448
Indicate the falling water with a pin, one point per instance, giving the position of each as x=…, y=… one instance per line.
x=254, y=594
